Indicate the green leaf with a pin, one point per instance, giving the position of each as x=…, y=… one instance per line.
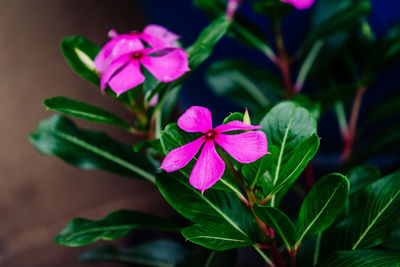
x=204, y=257
x=244, y=84
x=206, y=41
x=361, y=258
x=208, y=209
x=332, y=17
x=294, y=166
x=80, y=232
x=274, y=9
x=280, y=222
x=393, y=241
x=361, y=176
x=59, y=136
x=84, y=111
x=254, y=172
x=236, y=116
x=80, y=53
x=375, y=219
x=159, y=253
x=287, y=126
x=216, y=236
x=322, y=205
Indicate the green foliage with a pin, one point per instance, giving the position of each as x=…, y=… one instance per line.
x=80, y=232
x=245, y=84
x=205, y=257
x=80, y=53
x=293, y=130
x=59, y=136
x=84, y=111
x=219, y=215
x=361, y=258
x=280, y=222
x=322, y=205
x=159, y=253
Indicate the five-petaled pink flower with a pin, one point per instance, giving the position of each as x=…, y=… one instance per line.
x=244, y=147
x=300, y=4
x=155, y=48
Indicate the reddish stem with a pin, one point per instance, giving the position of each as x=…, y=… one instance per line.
x=293, y=258
x=309, y=175
x=349, y=135
x=284, y=64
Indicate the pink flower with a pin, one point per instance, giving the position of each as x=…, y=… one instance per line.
x=244, y=147
x=155, y=48
x=300, y=4
x=231, y=8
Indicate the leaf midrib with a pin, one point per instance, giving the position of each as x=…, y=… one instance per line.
x=318, y=215
x=73, y=235
x=109, y=118
x=374, y=221
x=105, y=154
x=281, y=154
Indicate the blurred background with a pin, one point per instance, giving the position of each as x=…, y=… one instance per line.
x=38, y=194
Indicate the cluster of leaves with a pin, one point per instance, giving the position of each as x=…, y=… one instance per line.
x=343, y=220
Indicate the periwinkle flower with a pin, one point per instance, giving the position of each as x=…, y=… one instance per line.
x=244, y=147
x=300, y=4
x=155, y=48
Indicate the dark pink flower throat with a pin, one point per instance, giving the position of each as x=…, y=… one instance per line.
x=137, y=55
x=211, y=134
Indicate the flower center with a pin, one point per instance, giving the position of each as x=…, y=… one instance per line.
x=210, y=134
x=137, y=55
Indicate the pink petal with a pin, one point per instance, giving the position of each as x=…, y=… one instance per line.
x=129, y=77
x=235, y=126
x=300, y=4
x=169, y=66
x=120, y=45
x=245, y=147
x=159, y=37
x=208, y=169
x=181, y=156
x=112, y=69
x=196, y=119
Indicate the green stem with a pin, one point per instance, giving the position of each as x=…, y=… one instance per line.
x=307, y=64
x=317, y=248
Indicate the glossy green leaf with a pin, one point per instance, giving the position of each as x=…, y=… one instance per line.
x=280, y=222
x=206, y=41
x=59, y=136
x=81, y=231
x=361, y=176
x=80, y=53
x=213, y=210
x=84, y=111
x=294, y=166
x=216, y=236
x=362, y=258
x=322, y=205
x=236, y=116
x=375, y=219
x=287, y=125
x=159, y=253
x=254, y=173
x=244, y=83
x=204, y=257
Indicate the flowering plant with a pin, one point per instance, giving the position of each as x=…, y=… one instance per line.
x=252, y=181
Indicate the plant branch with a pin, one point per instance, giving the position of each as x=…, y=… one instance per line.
x=265, y=257
x=283, y=63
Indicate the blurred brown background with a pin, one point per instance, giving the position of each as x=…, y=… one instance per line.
x=40, y=194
